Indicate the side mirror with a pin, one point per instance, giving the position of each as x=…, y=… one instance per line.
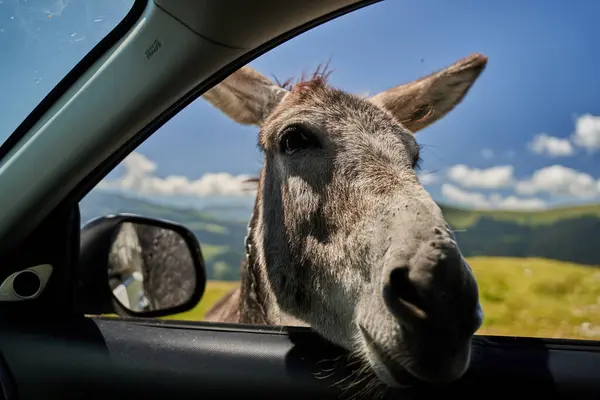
x=136, y=266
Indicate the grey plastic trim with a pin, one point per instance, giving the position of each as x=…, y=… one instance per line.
x=227, y=22
x=7, y=292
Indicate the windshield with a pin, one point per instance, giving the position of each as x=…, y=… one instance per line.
x=41, y=41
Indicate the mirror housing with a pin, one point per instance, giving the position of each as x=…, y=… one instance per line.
x=107, y=284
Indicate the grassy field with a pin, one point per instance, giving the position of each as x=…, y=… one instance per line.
x=538, y=297
x=520, y=296
x=214, y=291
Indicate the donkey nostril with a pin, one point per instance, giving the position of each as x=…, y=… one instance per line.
x=402, y=287
x=437, y=231
x=402, y=298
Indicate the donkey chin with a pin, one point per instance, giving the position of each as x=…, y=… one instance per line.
x=398, y=367
x=421, y=336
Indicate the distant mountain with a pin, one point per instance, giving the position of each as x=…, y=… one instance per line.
x=229, y=208
x=233, y=208
x=567, y=234
x=463, y=218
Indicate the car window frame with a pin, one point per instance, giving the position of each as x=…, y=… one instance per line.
x=111, y=162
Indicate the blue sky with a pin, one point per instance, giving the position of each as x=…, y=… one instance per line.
x=526, y=136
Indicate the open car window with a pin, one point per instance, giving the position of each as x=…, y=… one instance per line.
x=42, y=41
x=513, y=167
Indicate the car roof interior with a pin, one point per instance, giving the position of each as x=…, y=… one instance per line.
x=113, y=100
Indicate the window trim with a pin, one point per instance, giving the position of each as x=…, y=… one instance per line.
x=111, y=162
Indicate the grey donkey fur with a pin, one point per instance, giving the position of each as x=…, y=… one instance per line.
x=344, y=238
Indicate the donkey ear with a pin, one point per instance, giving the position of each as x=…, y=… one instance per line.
x=420, y=103
x=246, y=96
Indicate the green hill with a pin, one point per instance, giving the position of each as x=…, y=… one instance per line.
x=569, y=234
x=566, y=233
x=520, y=296
x=462, y=218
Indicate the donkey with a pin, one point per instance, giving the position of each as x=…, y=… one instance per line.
x=343, y=237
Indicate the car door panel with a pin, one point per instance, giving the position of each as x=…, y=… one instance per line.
x=105, y=357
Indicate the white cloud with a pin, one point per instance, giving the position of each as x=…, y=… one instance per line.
x=490, y=178
x=457, y=195
x=559, y=180
x=551, y=145
x=587, y=132
x=427, y=178
x=516, y=203
x=487, y=153
x=586, y=135
x=139, y=177
x=493, y=201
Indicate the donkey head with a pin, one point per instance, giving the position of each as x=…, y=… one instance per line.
x=347, y=238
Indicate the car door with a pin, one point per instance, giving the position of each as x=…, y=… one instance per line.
x=119, y=94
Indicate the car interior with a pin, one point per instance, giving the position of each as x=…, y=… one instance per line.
x=53, y=341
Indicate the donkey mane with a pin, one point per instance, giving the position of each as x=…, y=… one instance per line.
x=318, y=77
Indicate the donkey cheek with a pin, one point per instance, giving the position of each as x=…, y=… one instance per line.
x=294, y=294
x=290, y=285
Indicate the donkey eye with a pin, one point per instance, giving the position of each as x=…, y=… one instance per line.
x=296, y=138
x=417, y=158
x=417, y=163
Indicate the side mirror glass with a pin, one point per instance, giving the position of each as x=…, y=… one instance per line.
x=150, y=268
x=137, y=266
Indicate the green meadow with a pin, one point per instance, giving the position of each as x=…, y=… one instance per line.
x=531, y=297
